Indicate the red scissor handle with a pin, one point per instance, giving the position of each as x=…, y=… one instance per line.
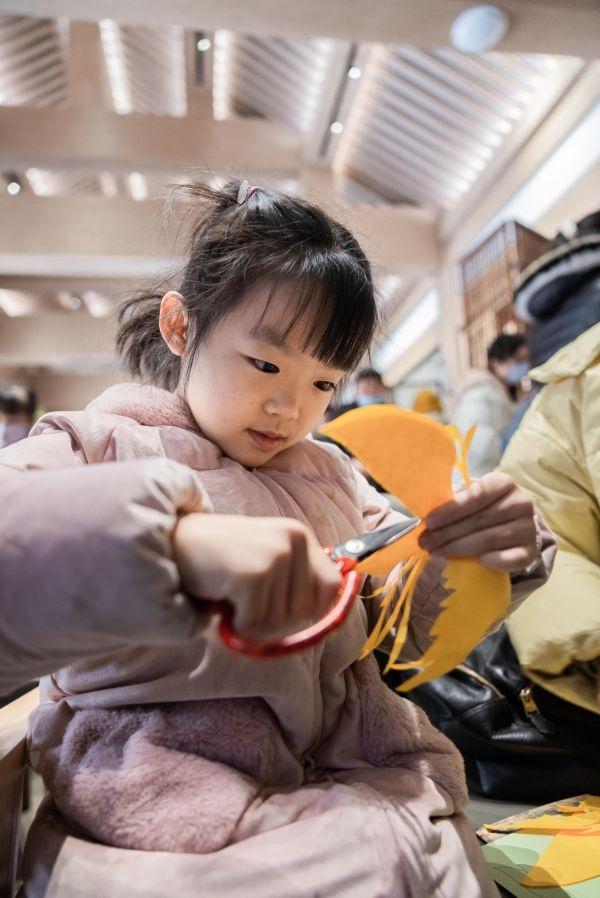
x=295, y=642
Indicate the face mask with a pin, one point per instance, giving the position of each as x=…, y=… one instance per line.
x=371, y=400
x=516, y=372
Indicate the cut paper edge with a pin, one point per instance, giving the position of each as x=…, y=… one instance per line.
x=464, y=619
x=413, y=457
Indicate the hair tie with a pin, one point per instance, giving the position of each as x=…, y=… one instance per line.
x=246, y=190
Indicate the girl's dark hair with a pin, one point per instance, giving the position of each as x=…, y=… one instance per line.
x=271, y=238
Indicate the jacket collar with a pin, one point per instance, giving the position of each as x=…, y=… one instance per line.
x=146, y=404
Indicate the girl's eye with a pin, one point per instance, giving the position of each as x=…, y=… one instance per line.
x=265, y=367
x=325, y=385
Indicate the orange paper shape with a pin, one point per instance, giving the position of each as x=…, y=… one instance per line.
x=413, y=457
x=569, y=858
x=552, y=824
x=478, y=597
x=407, y=453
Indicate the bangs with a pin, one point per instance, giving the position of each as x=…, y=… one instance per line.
x=332, y=307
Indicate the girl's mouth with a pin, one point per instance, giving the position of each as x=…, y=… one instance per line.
x=265, y=440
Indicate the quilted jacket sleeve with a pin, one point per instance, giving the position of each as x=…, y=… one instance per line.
x=86, y=559
x=554, y=457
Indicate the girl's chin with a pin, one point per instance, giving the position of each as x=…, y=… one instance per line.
x=247, y=452
x=247, y=456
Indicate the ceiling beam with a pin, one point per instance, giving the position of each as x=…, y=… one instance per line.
x=87, y=73
x=92, y=139
x=568, y=27
x=55, y=338
x=94, y=237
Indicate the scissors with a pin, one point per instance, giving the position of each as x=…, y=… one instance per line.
x=346, y=556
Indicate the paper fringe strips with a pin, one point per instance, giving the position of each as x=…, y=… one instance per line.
x=413, y=458
x=574, y=854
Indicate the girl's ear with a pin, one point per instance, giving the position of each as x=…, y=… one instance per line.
x=173, y=321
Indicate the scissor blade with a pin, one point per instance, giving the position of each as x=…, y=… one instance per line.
x=360, y=547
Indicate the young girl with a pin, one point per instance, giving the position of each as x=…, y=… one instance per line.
x=300, y=776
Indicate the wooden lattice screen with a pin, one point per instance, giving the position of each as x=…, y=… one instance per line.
x=488, y=276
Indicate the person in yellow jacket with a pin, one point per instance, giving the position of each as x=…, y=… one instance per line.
x=555, y=457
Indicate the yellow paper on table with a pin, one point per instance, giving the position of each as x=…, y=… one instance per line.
x=511, y=857
x=588, y=803
x=554, y=818
x=413, y=457
x=568, y=859
x=552, y=824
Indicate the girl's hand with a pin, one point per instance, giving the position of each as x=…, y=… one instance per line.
x=273, y=570
x=491, y=520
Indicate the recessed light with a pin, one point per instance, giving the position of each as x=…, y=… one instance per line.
x=479, y=29
x=336, y=127
x=204, y=44
x=354, y=73
x=13, y=188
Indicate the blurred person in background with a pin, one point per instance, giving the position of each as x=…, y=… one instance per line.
x=486, y=398
x=370, y=388
x=558, y=296
x=17, y=407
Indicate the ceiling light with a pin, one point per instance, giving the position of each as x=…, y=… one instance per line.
x=74, y=302
x=354, y=73
x=15, y=303
x=13, y=188
x=336, y=127
x=204, y=44
x=479, y=29
x=137, y=186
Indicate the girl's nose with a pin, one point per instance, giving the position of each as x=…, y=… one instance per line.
x=284, y=405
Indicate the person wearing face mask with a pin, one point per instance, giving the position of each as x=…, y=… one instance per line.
x=370, y=388
x=17, y=405
x=487, y=399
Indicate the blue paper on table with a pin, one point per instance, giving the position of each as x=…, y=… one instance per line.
x=512, y=856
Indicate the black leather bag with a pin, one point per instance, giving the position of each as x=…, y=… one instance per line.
x=518, y=741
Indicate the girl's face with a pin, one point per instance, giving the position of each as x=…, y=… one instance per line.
x=253, y=391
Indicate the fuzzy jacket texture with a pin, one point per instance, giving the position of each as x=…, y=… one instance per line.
x=187, y=748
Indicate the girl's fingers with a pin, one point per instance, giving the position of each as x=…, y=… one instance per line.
x=510, y=560
x=511, y=507
x=515, y=535
x=481, y=494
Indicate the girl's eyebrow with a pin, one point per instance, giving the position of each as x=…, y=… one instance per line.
x=268, y=334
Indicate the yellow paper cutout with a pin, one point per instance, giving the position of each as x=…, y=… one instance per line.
x=587, y=803
x=552, y=824
x=413, y=457
x=569, y=858
x=567, y=816
x=478, y=597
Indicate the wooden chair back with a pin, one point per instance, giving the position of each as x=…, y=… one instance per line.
x=13, y=764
